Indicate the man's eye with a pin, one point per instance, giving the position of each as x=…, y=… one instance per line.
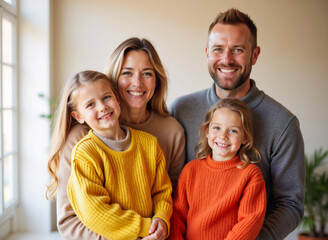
x=238, y=50
x=217, y=50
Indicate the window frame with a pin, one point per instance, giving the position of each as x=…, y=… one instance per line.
x=9, y=11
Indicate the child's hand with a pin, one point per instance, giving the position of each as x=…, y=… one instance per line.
x=157, y=231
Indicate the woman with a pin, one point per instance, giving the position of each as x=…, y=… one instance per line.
x=139, y=76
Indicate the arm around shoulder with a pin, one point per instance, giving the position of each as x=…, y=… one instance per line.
x=69, y=225
x=288, y=176
x=162, y=190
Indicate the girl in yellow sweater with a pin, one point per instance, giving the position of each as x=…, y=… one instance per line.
x=118, y=187
x=221, y=195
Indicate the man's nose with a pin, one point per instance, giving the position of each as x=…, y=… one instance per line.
x=227, y=57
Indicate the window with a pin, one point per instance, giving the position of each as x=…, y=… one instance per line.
x=8, y=108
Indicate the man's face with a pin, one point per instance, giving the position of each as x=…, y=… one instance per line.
x=230, y=56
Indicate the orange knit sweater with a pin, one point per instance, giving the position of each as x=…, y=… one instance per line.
x=217, y=200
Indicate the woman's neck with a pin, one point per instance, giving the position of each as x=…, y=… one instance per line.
x=135, y=116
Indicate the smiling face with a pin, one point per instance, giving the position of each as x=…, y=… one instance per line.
x=96, y=104
x=137, y=80
x=230, y=56
x=225, y=134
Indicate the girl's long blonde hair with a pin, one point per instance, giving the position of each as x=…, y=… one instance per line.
x=115, y=63
x=247, y=151
x=64, y=122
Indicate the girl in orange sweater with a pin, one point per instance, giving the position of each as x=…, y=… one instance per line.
x=221, y=195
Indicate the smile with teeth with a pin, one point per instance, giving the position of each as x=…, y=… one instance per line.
x=222, y=145
x=136, y=93
x=227, y=70
x=106, y=115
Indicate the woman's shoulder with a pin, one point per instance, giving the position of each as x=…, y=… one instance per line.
x=141, y=134
x=77, y=132
x=168, y=122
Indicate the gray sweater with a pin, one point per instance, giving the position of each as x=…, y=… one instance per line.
x=278, y=138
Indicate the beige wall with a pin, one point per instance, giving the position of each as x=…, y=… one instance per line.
x=293, y=36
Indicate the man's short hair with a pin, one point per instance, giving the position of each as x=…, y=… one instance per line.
x=233, y=17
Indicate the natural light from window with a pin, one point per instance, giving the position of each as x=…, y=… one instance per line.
x=8, y=110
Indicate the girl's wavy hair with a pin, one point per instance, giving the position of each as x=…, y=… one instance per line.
x=247, y=151
x=115, y=63
x=64, y=122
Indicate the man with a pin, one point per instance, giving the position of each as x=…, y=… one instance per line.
x=231, y=51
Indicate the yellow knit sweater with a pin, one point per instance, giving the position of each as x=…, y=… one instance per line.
x=116, y=194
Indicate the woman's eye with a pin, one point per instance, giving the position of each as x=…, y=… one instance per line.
x=147, y=74
x=127, y=73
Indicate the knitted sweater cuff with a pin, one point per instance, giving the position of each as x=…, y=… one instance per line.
x=144, y=227
x=166, y=218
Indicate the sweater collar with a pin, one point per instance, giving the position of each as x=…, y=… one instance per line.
x=253, y=98
x=233, y=163
x=121, y=145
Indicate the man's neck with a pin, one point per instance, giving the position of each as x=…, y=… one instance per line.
x=239, y=92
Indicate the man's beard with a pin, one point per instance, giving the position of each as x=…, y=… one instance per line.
x=241, y=79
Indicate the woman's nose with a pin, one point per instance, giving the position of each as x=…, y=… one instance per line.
x=136, y=80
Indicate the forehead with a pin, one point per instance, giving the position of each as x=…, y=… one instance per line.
x=223, y=34
x=136, y=58
x=227, y=116
x=90, y=89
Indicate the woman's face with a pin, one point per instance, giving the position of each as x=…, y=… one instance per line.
x=137, y=80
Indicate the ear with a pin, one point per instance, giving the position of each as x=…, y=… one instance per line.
x=256, y=53
x=77, y=116
x=245, y=140
x=206, y=51
x=206, y=131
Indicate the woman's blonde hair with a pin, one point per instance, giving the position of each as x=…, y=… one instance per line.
x=247, y=151
x=64, y=122
x=115, y=63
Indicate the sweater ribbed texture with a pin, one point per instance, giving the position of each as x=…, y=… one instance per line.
x=216, y=200
x=116, y=194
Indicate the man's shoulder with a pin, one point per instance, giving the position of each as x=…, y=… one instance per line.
x=189, y=101
x=276, y=108
x=191, y=97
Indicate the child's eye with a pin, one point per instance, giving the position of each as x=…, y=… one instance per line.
x=216, y=128
x=107, y=97
x=233, y=131
x=90, y=105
